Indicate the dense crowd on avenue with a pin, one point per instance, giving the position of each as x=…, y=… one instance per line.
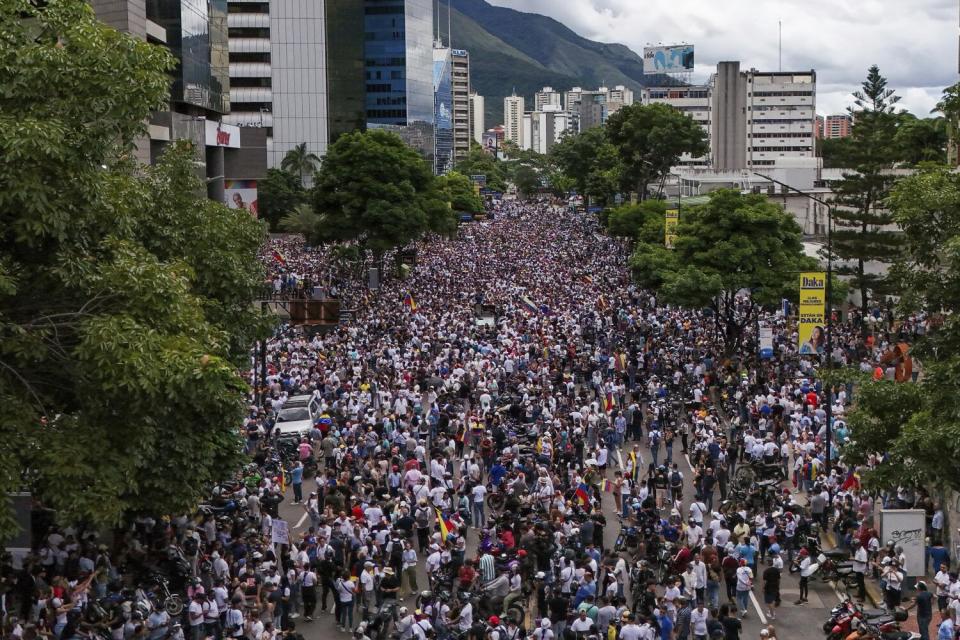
x=470, y=436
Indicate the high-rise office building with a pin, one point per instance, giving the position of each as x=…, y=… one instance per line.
x=461, y=103
x=196, y=33
x=513, y=119
x=592, y=108
x=346, y=68
x=442, y=110
x=298, y=63
x=477, y=118
x=546, y=97
x=315, y=91
x=751, y=118
x=398, y=54
x=251, y=96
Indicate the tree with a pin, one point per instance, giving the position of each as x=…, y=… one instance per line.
x=303, y=220
x=650, y=140
x=375, y=190
x=949, y=107
x=920, y=140
x=732, y=243
x=459, y=192
x=915, y=427
x=124, y=293
x=643, y=222
x=591, y=162
x=280, y=192
x=480, y=163
x=863, y=230
x=835, y=152
x=301, y=162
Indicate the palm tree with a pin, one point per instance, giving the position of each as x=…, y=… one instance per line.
x=301, y=162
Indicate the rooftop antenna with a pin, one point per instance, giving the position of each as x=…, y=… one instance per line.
x=780, y=46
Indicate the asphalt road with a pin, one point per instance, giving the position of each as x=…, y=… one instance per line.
x=792, y=621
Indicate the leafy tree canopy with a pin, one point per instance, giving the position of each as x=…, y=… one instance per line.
x=591, y=162
x=650, y=140
x=917, y=425
x=374, y=189
x=643, y=222
x=124, y=293
x=732, y=243
x=280, y=192
x=480, y=163
x=459, y=192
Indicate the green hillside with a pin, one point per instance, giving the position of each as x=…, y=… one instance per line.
x=525, y=51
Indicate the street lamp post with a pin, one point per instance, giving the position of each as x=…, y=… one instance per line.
x=829, y=309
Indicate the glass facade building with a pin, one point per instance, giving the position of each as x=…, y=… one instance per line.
x=197, y=36
x=442, y=110
x=345, y=67
x=398, y=69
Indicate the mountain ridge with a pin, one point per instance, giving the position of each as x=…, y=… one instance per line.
x=502, y=43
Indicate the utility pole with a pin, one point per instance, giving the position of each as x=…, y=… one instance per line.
x=828, y=287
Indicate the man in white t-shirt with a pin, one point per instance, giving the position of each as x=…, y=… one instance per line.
x=479, y=493
x=744, y=586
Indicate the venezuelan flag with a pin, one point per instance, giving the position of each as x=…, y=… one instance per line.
x=609, y=402
x=582, y=493
x=602, y=304
x=851, y=482
x=529, y=305
x=278, y=257
x=444, y=524
x=409, y=302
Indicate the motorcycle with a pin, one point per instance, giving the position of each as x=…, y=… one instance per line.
x=849, y=616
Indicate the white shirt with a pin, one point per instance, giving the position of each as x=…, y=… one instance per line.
x=698, y=621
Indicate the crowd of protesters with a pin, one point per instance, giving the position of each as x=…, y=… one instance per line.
x=478, y=419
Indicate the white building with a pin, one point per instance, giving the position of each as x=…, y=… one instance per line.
x=513, y=119
x=543, y=129
x=781, y=109
x=752, y=119
x=547, y=96
x=477, y=126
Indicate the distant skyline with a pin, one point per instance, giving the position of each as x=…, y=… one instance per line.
x=914, y=43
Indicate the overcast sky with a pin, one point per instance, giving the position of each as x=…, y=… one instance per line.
x=913, y=41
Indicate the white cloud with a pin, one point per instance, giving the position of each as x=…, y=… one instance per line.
x=914, y=43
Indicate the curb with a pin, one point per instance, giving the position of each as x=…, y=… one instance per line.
x=873, y=591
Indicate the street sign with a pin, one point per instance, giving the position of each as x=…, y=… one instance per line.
x=479, y=179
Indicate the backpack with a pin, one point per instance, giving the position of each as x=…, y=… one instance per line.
x=675, y=479
x=396, y=553
x=423, y=518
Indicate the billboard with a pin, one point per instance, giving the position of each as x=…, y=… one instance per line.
x=670, y=221
x=812, y=311
x=241, y=194
x=668, y=59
